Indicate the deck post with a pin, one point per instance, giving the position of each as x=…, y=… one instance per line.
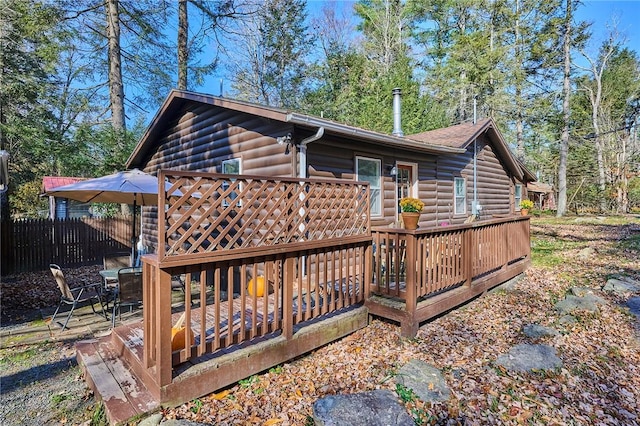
x=162, y=327
x=468, y=251
x=409, y=327
x=287, y=298
x=368, y=270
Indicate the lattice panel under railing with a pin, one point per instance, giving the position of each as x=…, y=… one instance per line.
x=225, y=212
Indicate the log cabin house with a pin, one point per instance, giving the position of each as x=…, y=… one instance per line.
x=285, y=229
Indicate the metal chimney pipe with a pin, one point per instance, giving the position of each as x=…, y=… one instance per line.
x=397, y=118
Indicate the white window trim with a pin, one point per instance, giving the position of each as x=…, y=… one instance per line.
x=380, y=184
x=455, y=197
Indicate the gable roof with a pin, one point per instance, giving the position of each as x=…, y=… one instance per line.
x=50, y=182
x=449, y=140
x=178, y=98
x=463, y=134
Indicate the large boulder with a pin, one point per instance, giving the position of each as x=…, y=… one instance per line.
x=622, y=285
x=572, y=303
x=525, y=357
x=375, y=408
x=424, y=380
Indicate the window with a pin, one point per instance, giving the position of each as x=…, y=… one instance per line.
x=369, y=170
x=231, y=167
x=460, y=194
x=517, y=196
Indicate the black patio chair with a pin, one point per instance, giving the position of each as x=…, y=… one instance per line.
x=75, y=296
x=129, y=291
x=115, y=261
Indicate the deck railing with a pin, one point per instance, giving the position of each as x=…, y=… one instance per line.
x=409, y=265
x=306, y=243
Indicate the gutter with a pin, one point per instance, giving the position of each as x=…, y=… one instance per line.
x=367, y=135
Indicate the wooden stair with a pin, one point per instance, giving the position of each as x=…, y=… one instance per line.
x=113, y=381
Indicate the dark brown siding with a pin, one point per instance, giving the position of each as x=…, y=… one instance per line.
x=201, y=137
x=493, y=181
x=335, y=158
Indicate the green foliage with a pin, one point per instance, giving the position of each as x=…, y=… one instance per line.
x=99, y=416
x=405, y=394
x=634, y=192
x=196, y=406
x=27, y=202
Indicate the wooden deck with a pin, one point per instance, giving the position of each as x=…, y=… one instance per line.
x=327, y=270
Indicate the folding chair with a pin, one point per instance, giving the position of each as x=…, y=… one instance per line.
x=116, y=261
x=129, y=291
x=76, y=295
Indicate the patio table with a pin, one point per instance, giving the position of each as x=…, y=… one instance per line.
x=112, y=274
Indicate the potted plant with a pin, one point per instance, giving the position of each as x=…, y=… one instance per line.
x=525, y=206
x=411, y=209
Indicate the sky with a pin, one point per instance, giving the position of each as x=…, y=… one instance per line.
x=602, y=13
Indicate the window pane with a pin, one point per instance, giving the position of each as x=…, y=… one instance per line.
x=375, y=201
x=231, y=167
x=368, y=170
x=460, y=196
x=460, y=192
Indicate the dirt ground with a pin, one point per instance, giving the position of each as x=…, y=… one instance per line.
x=598, y=384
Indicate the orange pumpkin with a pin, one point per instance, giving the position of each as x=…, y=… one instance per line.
x=256, y=287
x=177, y=335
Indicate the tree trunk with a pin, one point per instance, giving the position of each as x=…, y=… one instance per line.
x=518, y=87
x=566, y=115
x=183, y=53
x=602, y=182
x=116, y=88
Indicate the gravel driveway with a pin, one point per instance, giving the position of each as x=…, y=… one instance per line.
x=43, y=385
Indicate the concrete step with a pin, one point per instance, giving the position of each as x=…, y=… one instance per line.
x=124, y=395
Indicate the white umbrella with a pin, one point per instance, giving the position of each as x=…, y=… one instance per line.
x=126, y=187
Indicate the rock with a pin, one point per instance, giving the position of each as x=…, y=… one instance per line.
x=586, y=253
x=425, y=380
x=536, y=331
x=581, y=291
x=152, y=420
x=375, y=408
x=634, y=306
x=530, y=357
x=572, y=303
x=567, y=320
x=622, y=285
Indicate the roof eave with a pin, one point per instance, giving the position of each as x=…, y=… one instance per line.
x=370, y=136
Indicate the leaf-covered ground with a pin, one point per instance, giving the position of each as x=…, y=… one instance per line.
x=598, y=384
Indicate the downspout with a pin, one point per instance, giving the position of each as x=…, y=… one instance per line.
x=303, y=174
x=303, y=151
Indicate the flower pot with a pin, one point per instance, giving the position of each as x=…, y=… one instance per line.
x=524, y=212
x=410, y=220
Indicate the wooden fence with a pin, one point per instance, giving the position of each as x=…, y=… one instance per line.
x=32, y=244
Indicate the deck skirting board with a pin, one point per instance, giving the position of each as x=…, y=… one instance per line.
x=209, y=376
x=396, y=310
